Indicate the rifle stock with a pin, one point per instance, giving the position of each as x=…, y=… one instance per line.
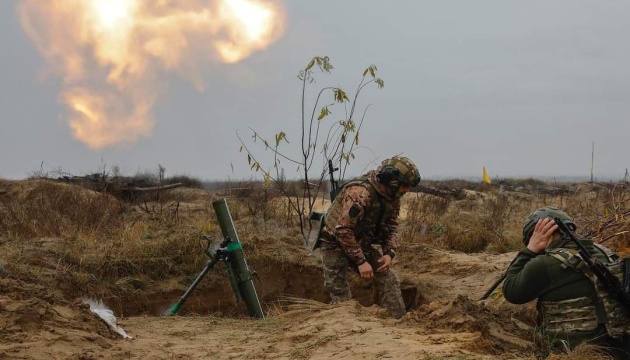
x=498, y=282
x=494, y=286
x=317, y=216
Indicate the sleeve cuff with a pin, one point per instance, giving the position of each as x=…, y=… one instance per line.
x=529, y=253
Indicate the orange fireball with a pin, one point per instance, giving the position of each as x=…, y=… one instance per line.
x=108, y=53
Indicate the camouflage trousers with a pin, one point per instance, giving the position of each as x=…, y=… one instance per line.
x=336, y=265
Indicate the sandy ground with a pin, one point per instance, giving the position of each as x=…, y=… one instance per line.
x=37, y=323
x=42, y=315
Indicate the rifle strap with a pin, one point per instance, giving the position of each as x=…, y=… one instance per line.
x=626, y=276
x=381, y=213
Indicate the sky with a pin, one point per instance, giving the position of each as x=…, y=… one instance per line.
x=520, y=88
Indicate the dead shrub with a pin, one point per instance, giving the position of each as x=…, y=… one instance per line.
x=257, y=203
x=466, y=240
x=603, y=215
x=487, y=227
x=498, y=217
x=423, y=213
x=160, y=208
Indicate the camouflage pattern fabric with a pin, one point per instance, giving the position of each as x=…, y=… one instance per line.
x=360, y=217
x=569, y=306
x=608, y=310
x=406, y=168
x=353, y=219
x=336, y=264
x=386, y=283
x=568, y=315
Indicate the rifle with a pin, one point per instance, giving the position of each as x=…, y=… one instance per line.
x=231, y=253
x=498, y=282
x=334, y=185
x=610, y=282
x=317, y=216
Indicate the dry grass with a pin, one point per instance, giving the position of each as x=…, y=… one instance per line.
x=288, y=306
x=101, y=245
x=584, y=352
x=480, y=222
x=105, y=228
x=99, y=239
x=420, y=214
x=492, y=221
x=42, y=208
x=98, y=243
x=92, y=243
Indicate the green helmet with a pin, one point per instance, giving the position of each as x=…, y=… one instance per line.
x=397, y=171
x=545, y=212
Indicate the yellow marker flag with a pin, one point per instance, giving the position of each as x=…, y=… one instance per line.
x=267, y=181
x=486, y=178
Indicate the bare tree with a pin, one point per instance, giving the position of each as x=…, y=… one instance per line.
x=337, y=143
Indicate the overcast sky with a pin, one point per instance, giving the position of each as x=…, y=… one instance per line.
x=522, y=88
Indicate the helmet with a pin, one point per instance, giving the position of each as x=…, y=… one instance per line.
x=545, y=212
x=397, y=171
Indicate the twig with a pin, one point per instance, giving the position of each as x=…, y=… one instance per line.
x=613, y=235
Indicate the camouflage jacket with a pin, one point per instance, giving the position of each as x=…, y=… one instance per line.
x=360, y=217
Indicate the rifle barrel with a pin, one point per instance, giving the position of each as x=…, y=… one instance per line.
x=499, y=280
x=334, y=185
x=564, y=229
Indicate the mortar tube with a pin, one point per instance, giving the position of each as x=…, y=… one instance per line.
x=237, y=261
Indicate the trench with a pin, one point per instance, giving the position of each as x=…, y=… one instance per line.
x=274, y=281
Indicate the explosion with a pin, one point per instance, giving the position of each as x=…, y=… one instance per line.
x=111, y=53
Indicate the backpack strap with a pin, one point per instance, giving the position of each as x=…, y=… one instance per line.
x=570, y=258
x=612, y=257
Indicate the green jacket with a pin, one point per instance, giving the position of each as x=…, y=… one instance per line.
x=543, y=277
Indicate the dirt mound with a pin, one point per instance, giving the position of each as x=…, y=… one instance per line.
x=38, y=322
x=497, y=333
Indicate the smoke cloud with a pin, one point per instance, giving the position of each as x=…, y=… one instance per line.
x=111, y=54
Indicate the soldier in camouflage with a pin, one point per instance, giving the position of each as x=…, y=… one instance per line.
x=365, y=214
x=572, y=306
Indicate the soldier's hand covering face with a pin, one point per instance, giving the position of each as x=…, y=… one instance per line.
x=544, y=234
